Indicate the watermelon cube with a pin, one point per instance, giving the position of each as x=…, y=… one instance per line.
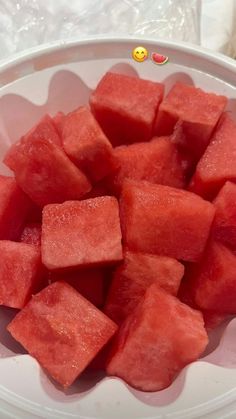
x=32, y=234
x=131, y=279
x=86, y=144
x=58, y=121
x=214, y=285
x=217, y=164
x=157, y=161
x=212, y=318
x=88, y=282
x=81, y=233
x=164, y=220
x=14, y=208
x=199, y=112
x=156, y=341
x=224, y=225
x=44, y=129
x=62, y=330
x=44, y=172
x=21, y=273
x=126, y=107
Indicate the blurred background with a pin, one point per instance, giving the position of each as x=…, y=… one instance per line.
x=28, y=23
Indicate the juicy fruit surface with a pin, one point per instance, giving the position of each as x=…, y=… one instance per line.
x=32, y=234
x=86, y=144
x=160, y=264
x=224, y=226
x=81, y=233
x=199, y=111
x=217, y=164
x=20, y=273
x=214, y=284
x=157, y=161
x=155, y=217
x=62, y=330
x=15, y=206
x=44, y=172
x=132, y=278
x=126, y=107
x=152, y=347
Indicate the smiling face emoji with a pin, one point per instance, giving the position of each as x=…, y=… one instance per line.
x=139, y=54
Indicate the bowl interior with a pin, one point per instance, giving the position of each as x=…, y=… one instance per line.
x=61, y=79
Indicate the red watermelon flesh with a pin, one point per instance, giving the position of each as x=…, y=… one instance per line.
x=131, y=279
x=100, y=360
x=152, y=347
x=157, y=161
x=15, y=207
x=126, y=107
x=88, y=282
x=32, y=234
x=224, y=226
x=212, y=318
x=44, y=130
x=81, y=233
x=21, y=273
x=217, y=164
x=62, y=330
x=163, y=220
x=214, y=286
x=86, y=144
x=199, y=112
x=58, y=121
x=44, y=172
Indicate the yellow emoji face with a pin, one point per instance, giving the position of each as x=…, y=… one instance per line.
x=139, y=54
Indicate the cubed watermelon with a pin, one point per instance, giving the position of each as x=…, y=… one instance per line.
x=164, y=220
x=217, y=164
x=58, y=121
x=44, y=130
x=131, y=279
x=21, y=273
x=157, y=161
x=81, y=233
x=88, y=282
x=32, y=234
x=214, y=285
x=62, y=330
x=224, y=226
x=156, y=341
x=199, y=112
x=126, y=107
x=44, y=172
x=15, y=206
x=212, y=318
x=86, y=144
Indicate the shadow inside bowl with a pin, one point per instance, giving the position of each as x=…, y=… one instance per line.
x=8, y=345
x=84, y=384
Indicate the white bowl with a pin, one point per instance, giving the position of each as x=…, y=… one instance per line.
x=59, y=77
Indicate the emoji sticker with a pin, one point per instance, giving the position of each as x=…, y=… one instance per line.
x=159, y=59
x=140, y=54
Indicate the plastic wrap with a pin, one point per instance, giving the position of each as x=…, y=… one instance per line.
x=27, y=23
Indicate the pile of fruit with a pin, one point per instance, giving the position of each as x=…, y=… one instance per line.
x=118, y=232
